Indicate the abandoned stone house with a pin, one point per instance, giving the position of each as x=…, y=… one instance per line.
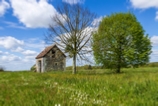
x=51, y=58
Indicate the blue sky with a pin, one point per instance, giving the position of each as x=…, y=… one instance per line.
x=23, y=24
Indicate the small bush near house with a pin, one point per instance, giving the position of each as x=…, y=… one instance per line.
x=69, y=68
x=1, y=69
x=33, y=68
x=87, y=67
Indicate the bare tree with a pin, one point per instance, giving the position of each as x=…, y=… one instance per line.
x=72, y=30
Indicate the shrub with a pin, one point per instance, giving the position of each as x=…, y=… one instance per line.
x=69, y=68
x=33, y=68
x=2, y=69
x=87, y=67
x=153, y=64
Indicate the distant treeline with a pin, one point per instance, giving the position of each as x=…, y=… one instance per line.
x=153, y=64
x=89, y=67
x=85, y=67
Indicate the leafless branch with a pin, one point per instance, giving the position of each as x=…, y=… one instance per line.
x=72, y=30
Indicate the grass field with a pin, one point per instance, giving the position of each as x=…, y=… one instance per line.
x=133, y=87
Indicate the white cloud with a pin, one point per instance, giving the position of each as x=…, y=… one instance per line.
x=18, y=54
x=38, y=45
x=18, y=49
x=73, y=1
x=154, y=40
x=97, y=21
x=29, y=59
x=10, y=58
x=6, y=53
x=11, y=43
x=14, y=25
x=29, y=52
x=156, y=15
x=14, y=62
x=33, y=13
x=3, y=7
x=154, y=54
x=143, y=4
x=1, y=52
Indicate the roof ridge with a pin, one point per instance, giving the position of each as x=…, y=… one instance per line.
x=46, y=50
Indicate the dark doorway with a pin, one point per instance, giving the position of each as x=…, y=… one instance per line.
x=56, y=66
x=40, y=66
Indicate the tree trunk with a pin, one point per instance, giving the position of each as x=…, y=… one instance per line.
x=118, y=68
x=74, y=64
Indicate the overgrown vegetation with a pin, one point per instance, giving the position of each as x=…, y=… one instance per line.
x=97, y=87
x=33, y=68
x=85, y=67
x=1, y=69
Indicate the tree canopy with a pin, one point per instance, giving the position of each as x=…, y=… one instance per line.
x=120, y=41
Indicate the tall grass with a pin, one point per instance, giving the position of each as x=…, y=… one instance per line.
x=133, y=87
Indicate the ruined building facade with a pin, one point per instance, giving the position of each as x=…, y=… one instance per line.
x=51, y=58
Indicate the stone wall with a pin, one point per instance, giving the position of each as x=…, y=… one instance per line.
x=54, y=60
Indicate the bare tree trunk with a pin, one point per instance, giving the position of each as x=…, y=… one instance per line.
x=74, y=64
x=72, y=30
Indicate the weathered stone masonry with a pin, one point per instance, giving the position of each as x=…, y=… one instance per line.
x=51, y=58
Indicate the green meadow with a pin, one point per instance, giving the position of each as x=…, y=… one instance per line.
x=96, y=87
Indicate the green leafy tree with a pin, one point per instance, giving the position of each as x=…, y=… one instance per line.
x=120, y=41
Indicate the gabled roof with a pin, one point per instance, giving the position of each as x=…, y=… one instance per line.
x=46, y=50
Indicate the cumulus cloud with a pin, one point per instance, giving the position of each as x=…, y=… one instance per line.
x=33, y=13
x=10, y=58
x=19, y=54
x=29, y=52
x=154, y=40
x=11, y=43
x=14, y=25
x=73, y=1
x=29, y=59
x=156, y=15
x=154, y=54
x=1, y=52
x=14, y=62
x=3, y=7
x=18, y=49
x=97, y=21
x=143, y=4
